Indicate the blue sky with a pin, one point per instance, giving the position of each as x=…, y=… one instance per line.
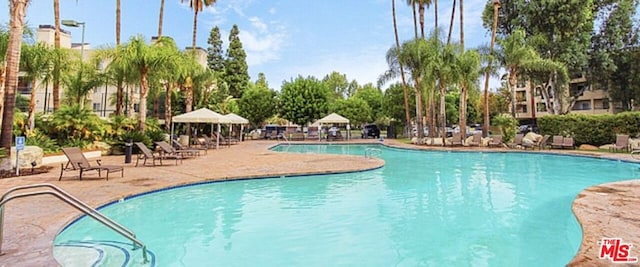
x=282, y=38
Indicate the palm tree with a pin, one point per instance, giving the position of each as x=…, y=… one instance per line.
x=422, y=4
x=17, y=11
x=514, y=53
x=161, y=17
x=56, y=43
x=4, y=43
x=469, y=71
x=197, y=6
x=404, y=82
x=453, y=14
x=35, y=62
x=141, y=58
x=413, y=4
x=80, y=82
x=119, y=78
x=461, y=27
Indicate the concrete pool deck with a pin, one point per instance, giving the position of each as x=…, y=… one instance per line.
x=30, y=226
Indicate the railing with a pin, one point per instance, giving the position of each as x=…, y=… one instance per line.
x=74, y=202
x=284, y=136
x=372, y=152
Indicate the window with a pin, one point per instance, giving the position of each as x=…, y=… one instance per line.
x=24, y=86
x=96, y=107
x=541, y=107
x=521, y=108
x=577, y=90
x=521, y=96
x=582, y=105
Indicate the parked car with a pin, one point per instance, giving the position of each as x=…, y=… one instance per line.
x=370, y=130
x=524, y=129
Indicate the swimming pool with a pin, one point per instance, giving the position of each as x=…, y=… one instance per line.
x=422, y=208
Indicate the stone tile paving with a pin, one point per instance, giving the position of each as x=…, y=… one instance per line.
x=608, y=210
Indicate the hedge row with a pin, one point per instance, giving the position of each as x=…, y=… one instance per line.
x=591, y=129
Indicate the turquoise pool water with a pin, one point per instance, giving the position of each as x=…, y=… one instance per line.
x=422, y=209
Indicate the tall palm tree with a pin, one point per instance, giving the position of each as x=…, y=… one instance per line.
x=4, y=43
x=117, y=22
x=404, y=82
x=453, y=15
x=485, y=127
x=160, y=18
x=469, y=71
x=197, y=6
x=80, y=82
x=56, y=43
x=35, y=62
x=119, y=85
x=422, y=5
x=461, y=26
x=17, y=12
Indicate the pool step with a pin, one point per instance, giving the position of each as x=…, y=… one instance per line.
x=100, y=253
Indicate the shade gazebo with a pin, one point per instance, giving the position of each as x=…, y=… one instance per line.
x=334, y=118
x=203, y=115
x=237, y=119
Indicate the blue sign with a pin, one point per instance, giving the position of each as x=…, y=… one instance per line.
x=20, y=143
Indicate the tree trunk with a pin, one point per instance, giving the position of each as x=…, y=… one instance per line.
x=160, y=18
x=453, y=14
x=18, y=10
x=56, y=67
x=195, y=30
x=461, y=27
x=432, y=113
x=463, y=111
x=421, y=11
x=142, y=114
x=435, y=11
x=513, y=82
x=419, y=126
x=117, y=23
x=167, y=110
x=31, y=118
x=119, y=97
x=443, y=114
x=415, y=19
x=404, y=82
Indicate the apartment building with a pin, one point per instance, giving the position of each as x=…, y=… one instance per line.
x=101, y=97
x=530, y=104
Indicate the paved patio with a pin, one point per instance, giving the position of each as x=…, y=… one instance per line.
x=609, y=210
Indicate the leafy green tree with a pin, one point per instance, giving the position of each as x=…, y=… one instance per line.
x=236, y=69
x=303, y=100
x=257, y=104
x=469, y=69
x=355, y=109
x=393, y=102
x=337, y=83
x=374, y=98
x=215, y=57
x=613, y=63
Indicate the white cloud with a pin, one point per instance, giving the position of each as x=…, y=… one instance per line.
x=262, y=42
x=272, y=11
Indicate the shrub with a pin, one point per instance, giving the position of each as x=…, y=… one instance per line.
x=508, y=126
x=591, y=129
x=37, y=138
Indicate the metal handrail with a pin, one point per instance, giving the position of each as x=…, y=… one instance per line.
x=74, y=202
x=285, y=138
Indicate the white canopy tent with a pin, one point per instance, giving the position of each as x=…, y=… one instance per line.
x=334, y=118
x=203, y=115
x=237, y=119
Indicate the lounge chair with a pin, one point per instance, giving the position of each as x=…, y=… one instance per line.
x=567, y=142
x=476, y=140
x=496, y=141
x=622, y=143
x=517, y=141
x=181, y=147
x=78, y=162
x=146, y=153
x=312, y=133
x=168, y=150
x=456, y=139
x=557, y=141
x=542, y=144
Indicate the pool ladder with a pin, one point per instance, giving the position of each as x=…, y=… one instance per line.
x=50, y=189
x=372, y=152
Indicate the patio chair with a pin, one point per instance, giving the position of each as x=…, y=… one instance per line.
x=78, y=162
x=543, y=142
x=622, y=143
x=184, y=148
x=312, y=133
x=557, y=141
x=146, y=153
x=517, y=141
x=496, y=141
x=476, y=140
x=456, y=139
x=168, y=150
x=567, y=142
